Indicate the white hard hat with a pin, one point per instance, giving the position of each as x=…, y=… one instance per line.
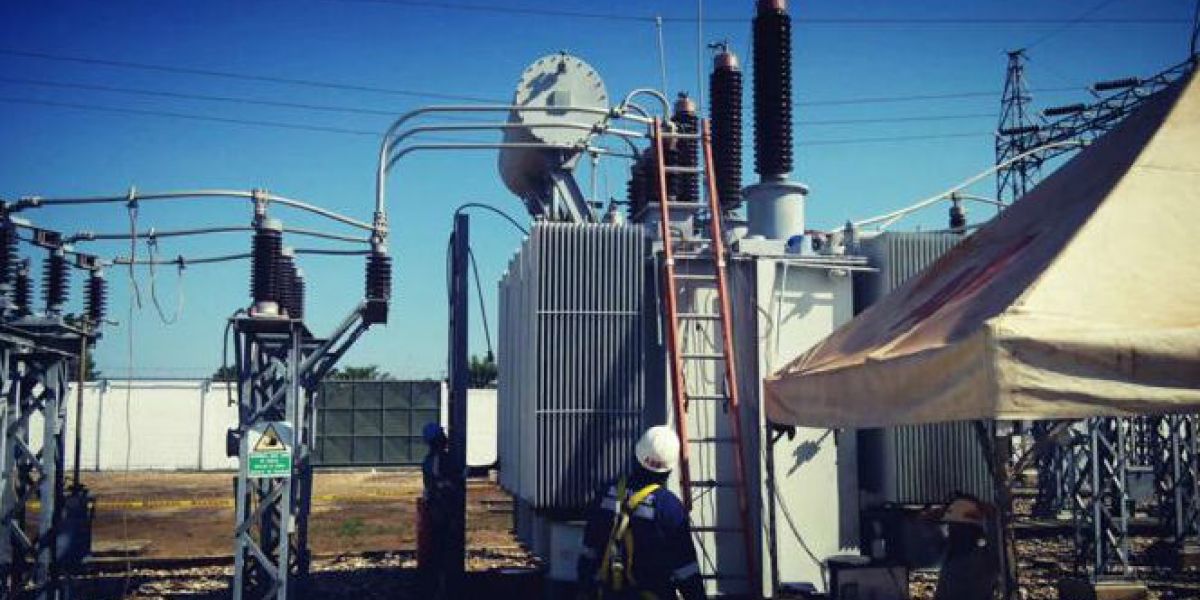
x=658, y=450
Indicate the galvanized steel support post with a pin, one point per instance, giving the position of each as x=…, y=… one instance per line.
x=280, y=365
x=35, y=383
x=1177, y=483
x=1102, y=500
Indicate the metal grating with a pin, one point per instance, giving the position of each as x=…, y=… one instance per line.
x=374, y=423
x=915, y=464
x=571, y=385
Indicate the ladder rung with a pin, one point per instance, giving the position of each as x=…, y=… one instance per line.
x=689, y=170
x=712, y=483
x=691, y=205
x=679, y=135
x=700, y=316
x=707, y=397
x=695, y=277
x=702, y=356
x=712, y=440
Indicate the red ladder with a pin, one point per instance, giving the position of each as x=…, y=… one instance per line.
x=681, y=393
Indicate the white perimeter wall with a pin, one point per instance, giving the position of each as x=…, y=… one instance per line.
x=181, y=425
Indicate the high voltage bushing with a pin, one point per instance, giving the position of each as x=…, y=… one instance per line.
x=772, y=89
x=297, y=307
x=378, y=286
x=8, y=252
x=653, y=191
x=267, y=248
x=725, y=92
x=291, y=298
x=958, y=217
x=686, y=185
x=97, y=297
x=23, y=289
x=55, y=281
x=635, y=188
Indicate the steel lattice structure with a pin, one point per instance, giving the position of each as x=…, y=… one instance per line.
x=1100, y=498
x=280, y=365
x=1088, y=473
x=1015, y=133
x=1178, y=485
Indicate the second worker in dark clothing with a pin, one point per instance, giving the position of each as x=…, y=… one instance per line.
x=638, y=540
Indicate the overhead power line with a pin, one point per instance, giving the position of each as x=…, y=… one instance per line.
x=186, y=96
x=847, y=21
x=161, y=68
x=333, y=108
x=897, y=138
x=175, y=115
x=359, y=132
x=1069, y=24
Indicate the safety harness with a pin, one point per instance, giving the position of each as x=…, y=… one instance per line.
x=616, y=567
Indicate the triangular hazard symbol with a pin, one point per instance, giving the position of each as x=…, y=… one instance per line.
x=270, y=442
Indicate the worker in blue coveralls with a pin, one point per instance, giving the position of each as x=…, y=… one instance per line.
x=638, y=541
x=438, y=502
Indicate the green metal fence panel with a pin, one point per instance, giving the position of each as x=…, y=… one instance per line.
x=374, y=423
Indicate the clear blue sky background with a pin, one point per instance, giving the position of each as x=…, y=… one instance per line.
x=52, y=150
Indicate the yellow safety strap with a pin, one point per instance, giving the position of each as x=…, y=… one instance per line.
x=620, y=533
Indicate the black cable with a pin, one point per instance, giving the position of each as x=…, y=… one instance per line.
x=225, y=356
x=183, y=96
x=242, y=76
x=858, y=21
x=495, y=210
x=296, y=126
x=487, y=332
x=391, y=113
x=160, y=113
x=1069, y=24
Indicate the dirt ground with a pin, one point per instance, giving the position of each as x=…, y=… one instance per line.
x=177, y=515
x=362, y=534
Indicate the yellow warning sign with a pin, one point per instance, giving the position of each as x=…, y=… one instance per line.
x=269, y=441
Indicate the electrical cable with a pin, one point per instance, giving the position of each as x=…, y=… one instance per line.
x=160, y=68
x=495, y=210
x=390, y=113
x=133, y=236
x=210, y=98
x=133, y=295
x=487, y=333
x=1069, y=23
x=849, y=21
x=151, y=247
x=175, y=115
x=224, y=371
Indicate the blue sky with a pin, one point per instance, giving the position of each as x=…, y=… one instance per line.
x=49, y=149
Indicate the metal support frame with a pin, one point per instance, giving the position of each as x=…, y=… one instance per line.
x=1178, y=483
x=279, y=366
x=1051, y=499
x=37, y=556
x=1016, y=134
x=1101, y=499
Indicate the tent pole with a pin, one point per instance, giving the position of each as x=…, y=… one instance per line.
x=997, y=456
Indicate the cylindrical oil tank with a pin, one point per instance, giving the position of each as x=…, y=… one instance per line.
x=557, y=80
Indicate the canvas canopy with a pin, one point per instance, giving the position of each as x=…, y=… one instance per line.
x=1082, y=299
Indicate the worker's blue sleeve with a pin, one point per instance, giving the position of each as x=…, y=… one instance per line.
x=680, y=553
x=595, y=536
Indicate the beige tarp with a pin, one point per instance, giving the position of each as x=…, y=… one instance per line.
x=1082, y=299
